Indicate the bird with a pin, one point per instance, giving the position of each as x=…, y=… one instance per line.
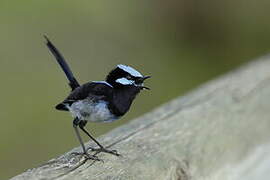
x=98, y=101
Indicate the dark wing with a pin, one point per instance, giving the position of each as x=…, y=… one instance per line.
x=93, y=90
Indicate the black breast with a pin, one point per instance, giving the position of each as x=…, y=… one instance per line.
x=122, y=99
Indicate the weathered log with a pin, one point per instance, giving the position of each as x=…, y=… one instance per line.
x=219, y=131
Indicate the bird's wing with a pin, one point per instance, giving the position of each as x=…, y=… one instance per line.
x=92, y=90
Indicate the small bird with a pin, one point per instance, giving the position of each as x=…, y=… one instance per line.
x=99, y=101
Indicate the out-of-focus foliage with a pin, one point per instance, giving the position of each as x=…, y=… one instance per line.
x=181, y=43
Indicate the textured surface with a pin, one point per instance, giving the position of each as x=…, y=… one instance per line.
x=220, y=131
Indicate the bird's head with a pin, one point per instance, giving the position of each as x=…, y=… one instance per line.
x=123, y=76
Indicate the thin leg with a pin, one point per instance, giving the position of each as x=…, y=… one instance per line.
x=79, y=138
x=75, y=126
x=88, y=134
x=101, y=148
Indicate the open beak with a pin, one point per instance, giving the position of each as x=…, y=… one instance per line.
x=145, y=77
x=142, y=80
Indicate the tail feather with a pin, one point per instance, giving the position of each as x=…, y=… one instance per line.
x=61, y=107
x=73, y=83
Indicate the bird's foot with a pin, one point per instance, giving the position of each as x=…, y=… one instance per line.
x=102, y=149
x=87, y=156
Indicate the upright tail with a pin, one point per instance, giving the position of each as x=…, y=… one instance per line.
x=73, y=83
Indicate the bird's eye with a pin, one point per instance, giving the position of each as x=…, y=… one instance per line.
x=129, y=77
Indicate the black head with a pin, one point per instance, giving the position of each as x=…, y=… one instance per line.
x=124, y=76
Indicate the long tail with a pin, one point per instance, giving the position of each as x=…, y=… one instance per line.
x=73, y=83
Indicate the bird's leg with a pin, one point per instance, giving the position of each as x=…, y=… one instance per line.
x=101, y=148
x=76, y=122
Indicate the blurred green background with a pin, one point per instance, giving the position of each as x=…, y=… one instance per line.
x=181, y=43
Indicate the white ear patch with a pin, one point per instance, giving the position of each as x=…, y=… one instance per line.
x=130, y=70
x=124, y=81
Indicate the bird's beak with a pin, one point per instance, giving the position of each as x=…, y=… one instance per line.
x=142, y=80
x=145, y=77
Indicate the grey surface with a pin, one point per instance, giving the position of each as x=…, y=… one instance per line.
x=219, y=131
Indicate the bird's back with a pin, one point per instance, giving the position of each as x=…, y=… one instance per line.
x=92, y=90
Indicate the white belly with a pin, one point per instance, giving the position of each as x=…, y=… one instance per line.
x=90, y=111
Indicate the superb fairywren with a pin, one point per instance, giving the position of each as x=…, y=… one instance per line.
x=99, y=101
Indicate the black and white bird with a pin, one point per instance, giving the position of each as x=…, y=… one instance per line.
x=99, y=101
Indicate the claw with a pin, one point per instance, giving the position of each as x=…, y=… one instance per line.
x=90, y=148
x=93, y=157
x=87, y=156
x=114, y=152
x=76, y=153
